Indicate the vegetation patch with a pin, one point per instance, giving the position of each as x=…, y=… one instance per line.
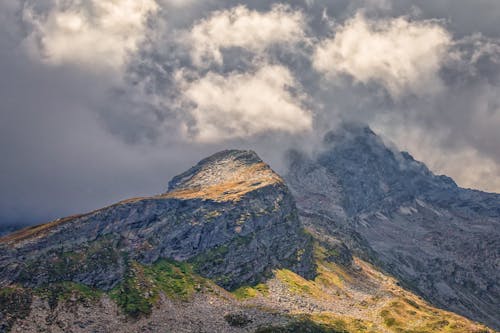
x=176, y=280
x=141, y=288
x=66, y=291
x=414, y=316
x=247, y=292
x=133, y=295
x=345, y=323
x=297, y=284
x=329, y=281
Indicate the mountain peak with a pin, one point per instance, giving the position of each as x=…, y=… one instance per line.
x=423, y=228
x=224, y=176
x=247, y=227
x=348, y=131
x=373, y=171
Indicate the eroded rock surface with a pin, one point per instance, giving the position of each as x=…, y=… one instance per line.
x=230, y=215
x=440, y=240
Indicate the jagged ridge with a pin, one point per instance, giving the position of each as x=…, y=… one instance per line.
x=235, y=230
x=229, y=218
x=440, y=240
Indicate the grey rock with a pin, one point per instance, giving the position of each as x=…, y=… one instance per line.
x=230, y=215
x=440, y=240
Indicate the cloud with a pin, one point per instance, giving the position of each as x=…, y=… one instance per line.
x=402, y=55
x=244, y=28
x=87, y=139
x=241, y=105
x=90, y=33
x=177, y=3
x=465, y=164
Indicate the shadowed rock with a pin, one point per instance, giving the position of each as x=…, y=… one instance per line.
x=440, y=240
x=230, y=215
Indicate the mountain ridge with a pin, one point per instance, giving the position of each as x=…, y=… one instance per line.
x=231, y=246
x=180, y=226
x=440, y=240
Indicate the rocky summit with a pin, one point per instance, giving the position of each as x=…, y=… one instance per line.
x=230, y=248
x=440, y=240
x=230, y=214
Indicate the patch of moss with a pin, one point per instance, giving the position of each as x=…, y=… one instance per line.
x=64, y=291
x=132, y=295
x=142, y=286
x=176, y=280
x=247, y=292
x=295, y=282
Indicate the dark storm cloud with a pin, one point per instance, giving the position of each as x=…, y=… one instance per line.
x=74, y=139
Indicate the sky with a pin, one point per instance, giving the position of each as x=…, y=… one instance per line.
x=101, y=100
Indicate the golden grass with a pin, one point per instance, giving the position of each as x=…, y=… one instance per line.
x=247, y=292
x=37, y=230
x=231, y=186
x=245, y=180
x=401, y=312
x=297, y=284
x=411, y=314
x=344, y=323
x=367, y=300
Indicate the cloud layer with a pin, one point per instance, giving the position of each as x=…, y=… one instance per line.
x=90, y=33
x=244, y=28
x=403, y=56
x=245, y=104
x=102, y=100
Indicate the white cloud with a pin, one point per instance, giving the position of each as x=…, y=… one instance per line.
x=92, y=33
x=177, y=3
x=465, y=164
x=241, y=27
x=244, y=104
x=402, y=55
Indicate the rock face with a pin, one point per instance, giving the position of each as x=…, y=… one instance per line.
x=440, y=240
x=136, y=265
x=230, y=216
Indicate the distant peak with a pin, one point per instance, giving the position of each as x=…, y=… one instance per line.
x=348, y=131
x=224, y=176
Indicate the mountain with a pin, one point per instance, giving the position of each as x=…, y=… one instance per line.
x=231, y=215
x=7, y=229
x=223, y=209
x=440, y=240
x=224, y=249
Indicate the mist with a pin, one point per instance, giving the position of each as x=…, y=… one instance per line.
x=105, y=100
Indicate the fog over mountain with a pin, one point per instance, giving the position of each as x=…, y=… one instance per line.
x=104, y=100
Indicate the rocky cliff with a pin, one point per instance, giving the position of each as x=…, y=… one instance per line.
x=440, y=240
x=224, y=249
x=230, y=215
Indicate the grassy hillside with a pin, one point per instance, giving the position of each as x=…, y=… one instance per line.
x=339, y=300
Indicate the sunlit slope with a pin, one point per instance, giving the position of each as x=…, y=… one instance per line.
x=355, y=299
